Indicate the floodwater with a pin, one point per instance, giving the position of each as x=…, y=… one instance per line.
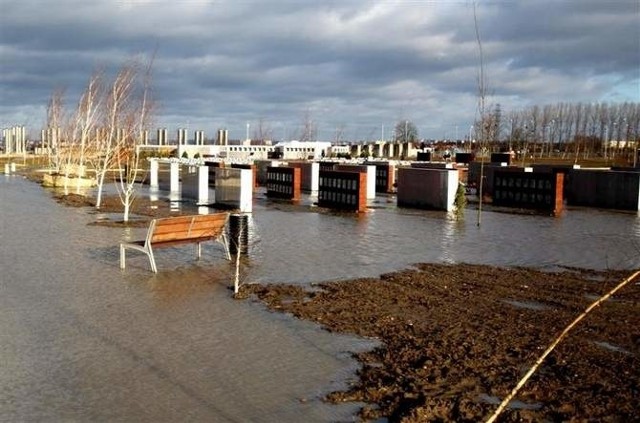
x=81, y=340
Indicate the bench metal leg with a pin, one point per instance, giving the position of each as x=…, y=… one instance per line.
x=199, y=249
x=144, y=249
x=152, y=261
x=225, y=244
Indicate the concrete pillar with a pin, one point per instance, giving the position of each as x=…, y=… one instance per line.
x=162, y=136
x=427, y=188
x=315, y=177
x=153, y=170
x=199, y=137
x=203, y=184
x=391, y=152
x=174, y=184
x=145, y=137
x=223, y=137
x=246, y=190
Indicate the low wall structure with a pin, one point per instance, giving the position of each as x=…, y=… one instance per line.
x=310, y=174
x=427, y=188
x=501, y=158
x=195, y=184
x=262, y=166
x=369, y=170
x=247, y=166
x=167, y=176
x=604, y=189
x=385, y=177
x=234, y=188
x=343, y=190
x=284, y=182
x=536, y=191
x=473, y=177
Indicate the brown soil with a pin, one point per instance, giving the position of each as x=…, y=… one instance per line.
x=455, y=337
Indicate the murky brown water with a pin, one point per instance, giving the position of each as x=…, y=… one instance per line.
x=81, y=340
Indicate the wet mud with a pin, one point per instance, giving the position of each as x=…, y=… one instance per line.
x=455, y=339
x=141, y=212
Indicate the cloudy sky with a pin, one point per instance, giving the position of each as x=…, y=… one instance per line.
x=352, y=66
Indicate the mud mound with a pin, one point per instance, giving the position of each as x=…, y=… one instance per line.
x=457, y=338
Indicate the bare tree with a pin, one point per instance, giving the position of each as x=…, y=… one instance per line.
x=406, y=131
x=137, y=120
x=116, y=126
x=262, y=131
x=309, y=129
x=85, y=123
x=55, y=123
x=339, y=135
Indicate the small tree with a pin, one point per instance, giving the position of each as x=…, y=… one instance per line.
x=116, y=125
x=128, y=153
x=482, y=98
x=86, y=122
x=55, y=124
x=460, y=201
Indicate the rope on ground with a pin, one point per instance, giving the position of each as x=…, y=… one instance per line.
x=526, y=377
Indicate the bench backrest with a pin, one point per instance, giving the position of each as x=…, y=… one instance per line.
x=187, y=227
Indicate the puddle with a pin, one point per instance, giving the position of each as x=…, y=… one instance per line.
x=529, y=305
x=596, y=297
x=611, y=347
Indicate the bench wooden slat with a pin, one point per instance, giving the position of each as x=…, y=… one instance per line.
x=159, y=239
x=183, y=225
x=195, y=229
x=178, y=230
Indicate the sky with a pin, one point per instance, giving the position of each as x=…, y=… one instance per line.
x=354, y=67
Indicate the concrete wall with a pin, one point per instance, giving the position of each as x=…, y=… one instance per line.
x=164, y=176
x=234, y=188
x=261, y=169
x=195, y=184
x=369, y=170
x=427, y=188
x=604, y=189
x=473, y=177
x=310, y=174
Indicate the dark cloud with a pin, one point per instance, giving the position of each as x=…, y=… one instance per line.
x=360, y=64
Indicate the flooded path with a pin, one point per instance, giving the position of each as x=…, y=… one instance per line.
x=82, y=340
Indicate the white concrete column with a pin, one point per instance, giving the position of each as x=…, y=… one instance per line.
x=246, y=190
x=174, y=184
x=203, y=184
x=371, y=182
x=315, y=177
x=153, y=171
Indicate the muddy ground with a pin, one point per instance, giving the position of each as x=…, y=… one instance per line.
x=455, y=339
x=142, y=209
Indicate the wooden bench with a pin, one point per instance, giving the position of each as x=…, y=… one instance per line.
x=171, y=231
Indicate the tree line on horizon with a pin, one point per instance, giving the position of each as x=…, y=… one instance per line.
x=586, y=128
